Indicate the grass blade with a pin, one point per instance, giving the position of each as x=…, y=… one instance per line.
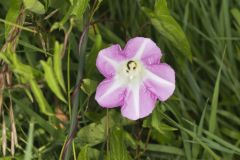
x=28, y=150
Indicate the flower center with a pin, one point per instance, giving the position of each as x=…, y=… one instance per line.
x=131, y=66
x=131, y=70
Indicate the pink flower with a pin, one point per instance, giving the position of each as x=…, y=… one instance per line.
x=135, y=78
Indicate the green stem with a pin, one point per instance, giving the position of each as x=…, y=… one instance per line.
x=68, y=83
x=75, y=96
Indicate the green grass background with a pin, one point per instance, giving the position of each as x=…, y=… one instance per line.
x=48, y=78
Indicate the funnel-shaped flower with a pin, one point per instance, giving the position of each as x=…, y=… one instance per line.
x=135, y=78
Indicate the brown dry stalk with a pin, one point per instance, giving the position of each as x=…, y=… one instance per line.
x=6, y=81
x=9, y=78
x=2, y=80
x=12, y=144
x=51, y=14
x=14, y=32
x=4, y=135
x=67, y=33
x=14, y=140
x=42, y=42
x=1, y=102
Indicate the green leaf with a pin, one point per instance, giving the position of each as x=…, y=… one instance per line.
x=89, y=86
x=79, y=7
x=214, y=105
x=28, y=150
x=155, y=121
x=5, y=58
x=157, y=124
x=33, y=48
x=91, y=134
x=26, y=108
x=230, y=116
x=77, y=10
x=57, y=64
x=93, y=153
x=28, y=93
x=91, y=59
x=129, y=140
x=167, y=26
x=12, y=15
x=83, y=155
x=196, y=146
x=193, y=135
x=118, y=149
x=217, y=146
x=236, y=14
x=223, y=142
x=34, y=6
x=88, y=153
x=42, y=102
x=71, y=1
x=26, y=71
x=94, y=133
x=110, y=35
x=161, y=8
x=51, y=80
x=163, y=149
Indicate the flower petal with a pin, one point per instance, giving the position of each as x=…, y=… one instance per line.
x=108, y=60
x=160, y=80
x=144, y=49
x=110, y=93
x=139, y=102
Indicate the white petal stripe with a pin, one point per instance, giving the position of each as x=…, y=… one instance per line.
x=140, y=51
x=115, y=85
x=136, y=94
x=157, y=79
x=111, y=61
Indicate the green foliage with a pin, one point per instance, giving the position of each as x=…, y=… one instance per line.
x=48, y=74
x=51, y=79
x=214, y=105
x=118, y=148
x=236, y=14
x=77, y=9
x=167, y=26
x=83, y=155
x=25, y=71
x=79, y=6
x=28, y=150
x=12, y=15
x=42, y=102
x=155, y=122
x=34, y=6
x=91, y=134
x=57, y=64
x=90, y=64
x=88, y=153
x=89, y=86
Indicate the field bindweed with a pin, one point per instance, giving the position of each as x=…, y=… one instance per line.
x=135, y=78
